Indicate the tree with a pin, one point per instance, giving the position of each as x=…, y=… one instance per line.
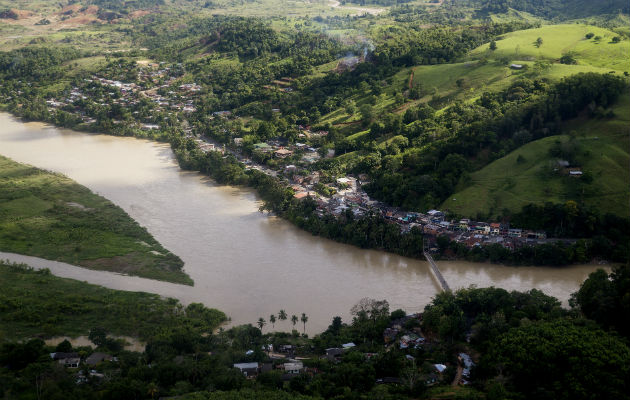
x=152, y=389
x=538, y=42
x=272, y=319
x=294, y=320
x=493, y=45
x=616, y=39
x=98, y=336
x=540, y=360
x=350, y=107
x=64, y=347
x=304, y=320
x=589, y=35
x=367, y=113
x=261, y=323
x=282, y=315
x=604, y=297
x=568, y=58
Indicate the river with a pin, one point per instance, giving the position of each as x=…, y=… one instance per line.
x=243, y=262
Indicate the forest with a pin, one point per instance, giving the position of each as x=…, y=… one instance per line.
x=520, y=345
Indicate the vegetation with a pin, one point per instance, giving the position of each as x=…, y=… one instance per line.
x=512, y=339
x=427, y=111
x=598, y=146
x=47, y=215
x=37, y=304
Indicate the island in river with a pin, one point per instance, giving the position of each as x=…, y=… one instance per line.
x=47, y=215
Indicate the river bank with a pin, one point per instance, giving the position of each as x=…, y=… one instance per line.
x=245, y=263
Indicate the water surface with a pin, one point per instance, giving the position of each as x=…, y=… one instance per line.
x=244, y=263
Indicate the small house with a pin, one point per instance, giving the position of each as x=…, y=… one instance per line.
x=283, y=153
x=250, y=369
x=514, y=232
x=96, y=358
x=293, y=367
x=516, y=66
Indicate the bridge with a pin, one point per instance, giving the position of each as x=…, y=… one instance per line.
x=436, y=272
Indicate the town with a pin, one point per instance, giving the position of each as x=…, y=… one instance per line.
x=293, y=163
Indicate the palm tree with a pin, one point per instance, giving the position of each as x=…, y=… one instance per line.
x=272, y=319
x=304, y=320
x=261, y=322
x=294, y=320
x=282, y=315
x=152, y=389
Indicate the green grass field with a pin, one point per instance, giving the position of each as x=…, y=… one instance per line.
x=484, y=70
x=37, y=303
x=50, y=216
x=560, y=39
x=509, y=184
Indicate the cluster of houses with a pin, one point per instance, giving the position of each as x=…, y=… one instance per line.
x=348, y=195
x=332, y=198
x=73, y=360
x=155, y=82
x=404, y=333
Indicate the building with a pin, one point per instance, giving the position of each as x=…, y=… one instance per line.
x=293, y=367
x=250, y=369
x=96, y=358
x=283, y=153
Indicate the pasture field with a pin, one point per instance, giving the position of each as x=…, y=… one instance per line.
x=524, y=175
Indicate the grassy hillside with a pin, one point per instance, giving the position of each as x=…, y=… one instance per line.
x=523, y=176
x=560, y=39
x=36, y=303
x=50, y=216
x=485, y=70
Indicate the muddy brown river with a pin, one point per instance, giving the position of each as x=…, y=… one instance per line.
x=245, y=263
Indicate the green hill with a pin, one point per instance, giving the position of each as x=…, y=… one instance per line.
x=559, y=40
x=526, y=175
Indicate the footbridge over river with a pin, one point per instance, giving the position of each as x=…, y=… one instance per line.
x=436, y=272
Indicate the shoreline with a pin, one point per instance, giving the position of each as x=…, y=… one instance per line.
x=417, y=253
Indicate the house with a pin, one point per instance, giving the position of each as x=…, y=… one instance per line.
x=62, y=356
x=250, y=370
x=71, y=362
x=514, y=232
x=96, y=358
x=301, y=195
x=334, y=353
x=347, y=346
x=283, y=153
x=286, y=348
x=389, y=334
x=495, y=229
x=516, y=66
x=439, y=367
x=293, y=367
x=238, y=141
x=482, y=228
x=435, y=215
x=575, y=173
